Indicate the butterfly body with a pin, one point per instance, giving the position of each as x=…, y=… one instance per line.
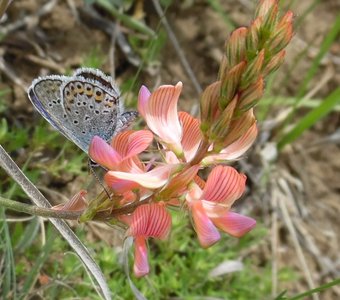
x=81, y=106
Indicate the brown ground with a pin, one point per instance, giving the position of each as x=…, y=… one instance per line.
x=304, y=181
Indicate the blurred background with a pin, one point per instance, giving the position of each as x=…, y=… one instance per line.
x=293, y=169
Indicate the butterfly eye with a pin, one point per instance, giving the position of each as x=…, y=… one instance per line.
x=88, y=90
x=98, y=95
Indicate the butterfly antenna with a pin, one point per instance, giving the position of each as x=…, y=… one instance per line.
x=91, y=165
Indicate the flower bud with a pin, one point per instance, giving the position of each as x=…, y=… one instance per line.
x=209, y=105
x=237, y=128
x=282, y=33
x=251, y=95
x=220, y=128
x=230, y=83
x=267, y=9
x=235, y=48
x=252, y=38
x=276, y=61
x=253, y=70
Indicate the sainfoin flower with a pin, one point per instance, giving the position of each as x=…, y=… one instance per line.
x=148, y=220
x=210, y=207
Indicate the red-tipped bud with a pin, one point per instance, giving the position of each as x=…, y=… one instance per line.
x=238, y=127
x=221, y=128
x=253, y=70
x=264, y=7
x=230, y=83
x=236, y=46
x=253, y=36
x=209, y=105
x=251, y=95
x=282, y=34
x=267, y=9
x=274, y=63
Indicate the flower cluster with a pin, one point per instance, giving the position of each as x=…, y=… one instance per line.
x=171, y=179
x=179, y=145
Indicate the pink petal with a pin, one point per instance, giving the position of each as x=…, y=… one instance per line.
x=103, y=154
x=151, y=180
x=236, y=149
x=192, y=135
x=119, y=185
x=143, y=97
x=161, y=114
x=206, y=231
x=235, y=224
x=225, y=185
x=77, y=203
x=129, y=142
x=150, y=220
x=141, y=264
x=214, y=209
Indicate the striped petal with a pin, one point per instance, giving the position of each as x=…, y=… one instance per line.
x=224, y=185
x=150, y=220
x=235, y=224
x=192, y=135
x=119, y=185
x=206, y=231
x=129, y=142
x=103, y=154
x=141, y=263
x=77, y=203
x=161, y=114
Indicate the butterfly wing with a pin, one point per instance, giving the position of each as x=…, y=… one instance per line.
x=45, y=95
x=81, y=106
x=92, y=108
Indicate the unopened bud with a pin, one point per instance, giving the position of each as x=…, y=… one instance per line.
x=250, y=96
x=209, y=105
x=252, y=38
x=282, y=34
x=236, y=46
x=276, y=61
x=238, y=127
x=253, y=70
x=230, y=83
x=220, y=128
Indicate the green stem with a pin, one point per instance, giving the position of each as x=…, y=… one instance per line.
x=38, y=211
x=69, y=215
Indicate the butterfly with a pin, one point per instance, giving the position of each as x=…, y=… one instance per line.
x=81, y=106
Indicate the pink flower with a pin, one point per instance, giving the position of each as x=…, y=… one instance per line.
x=210, y=206
x=148, y=220
x=126, y=171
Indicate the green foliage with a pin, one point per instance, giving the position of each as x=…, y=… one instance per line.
x=95, y=58
x=179, y=267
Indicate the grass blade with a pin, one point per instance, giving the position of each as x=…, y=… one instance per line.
x=311, y=118
x=326, y=44
x=35, y=270
x=7, y=264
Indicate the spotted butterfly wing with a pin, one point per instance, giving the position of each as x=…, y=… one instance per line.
x=81, y=106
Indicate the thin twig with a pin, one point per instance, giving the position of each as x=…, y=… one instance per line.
x=293, y=234
x=177, y=47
